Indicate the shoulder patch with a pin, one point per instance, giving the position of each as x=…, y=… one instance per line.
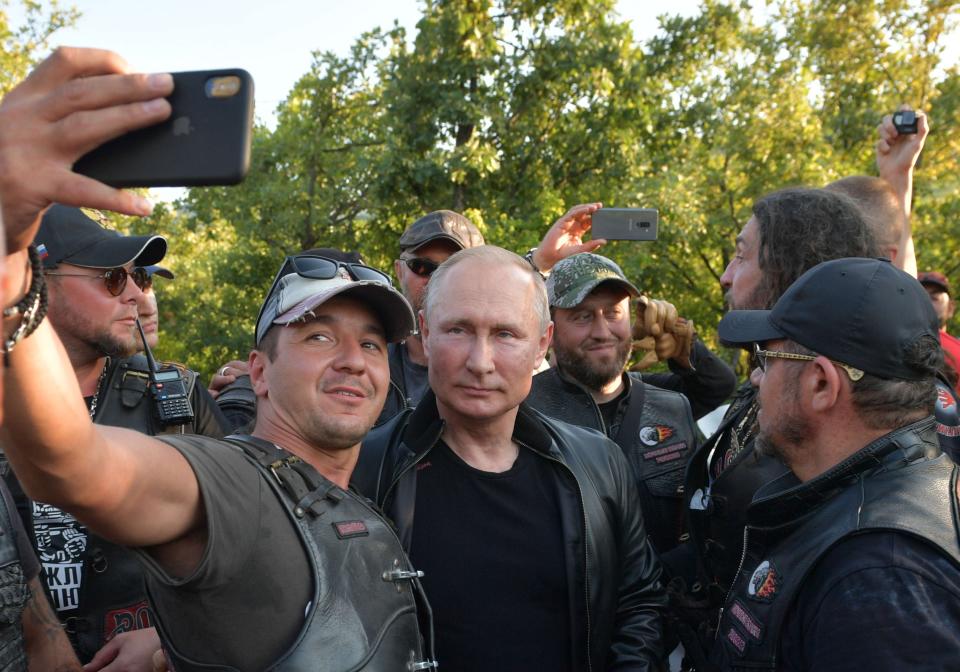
x=764, y=582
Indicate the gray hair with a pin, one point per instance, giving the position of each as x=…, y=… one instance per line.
x=492, y=255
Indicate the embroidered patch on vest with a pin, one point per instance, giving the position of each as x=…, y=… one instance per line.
x=134, y=617
x=735, y=638
x=750, y=624
x=350, y=528
x=764, y=582
x=651, y=435
x=667, y=453
x=944, y=399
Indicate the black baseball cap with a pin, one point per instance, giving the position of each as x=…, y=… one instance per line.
x=441, y=225
x=862, y=312
x=69, y=235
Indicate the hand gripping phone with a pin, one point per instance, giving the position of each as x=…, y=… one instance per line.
x=205, y=141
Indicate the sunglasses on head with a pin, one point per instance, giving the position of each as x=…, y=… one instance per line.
x=115, y=279
x=323, y=268
x=420, y=266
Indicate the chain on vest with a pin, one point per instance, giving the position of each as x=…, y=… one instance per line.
x=366, y=619
x=14, y=594
x=776, y=563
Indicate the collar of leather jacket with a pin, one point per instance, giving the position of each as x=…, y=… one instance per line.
x=425, y=426
x=786, y=499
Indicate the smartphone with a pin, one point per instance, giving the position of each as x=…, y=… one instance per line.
x=205, y=141
x=625, y=223
x=905, y=121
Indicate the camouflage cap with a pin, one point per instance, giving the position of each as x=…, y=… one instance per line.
x=444, y=225
x=573, y=278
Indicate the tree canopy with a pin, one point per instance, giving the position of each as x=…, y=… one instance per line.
x=510, y=111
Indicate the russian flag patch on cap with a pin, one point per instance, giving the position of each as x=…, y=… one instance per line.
x=42, y=251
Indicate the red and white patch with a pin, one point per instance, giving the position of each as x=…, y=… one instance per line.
x=764, y=582
x=736, y=639
x=651, y=435
x=944, y=399
x=124, y=619
x=750, y=624
x=351, y=528
x=667, y=453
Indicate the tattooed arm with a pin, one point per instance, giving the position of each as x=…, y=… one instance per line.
x=45, y=641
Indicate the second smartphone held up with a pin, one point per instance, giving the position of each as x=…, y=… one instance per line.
x=625, y=223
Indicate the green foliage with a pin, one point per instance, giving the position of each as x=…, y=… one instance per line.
x=21, y=46
x=512, y=110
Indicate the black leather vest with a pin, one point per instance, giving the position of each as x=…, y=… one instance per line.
x=717, y=510
x=653, y=427
x=366, y=595
x=874, y=490
x=14, y=594
x=125, y=400
x=96, y=586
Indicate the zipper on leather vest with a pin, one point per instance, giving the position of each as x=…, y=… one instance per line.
x=733, y=582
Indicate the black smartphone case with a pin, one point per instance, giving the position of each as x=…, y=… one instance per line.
x=205, y=141
x=625, y=224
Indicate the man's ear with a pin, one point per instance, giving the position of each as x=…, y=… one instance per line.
x=424, y=332
x=258, y=363
x=545, y=340
x=951, y=308
x=822, y=384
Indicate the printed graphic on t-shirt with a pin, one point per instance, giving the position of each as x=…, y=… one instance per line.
x=61, y=542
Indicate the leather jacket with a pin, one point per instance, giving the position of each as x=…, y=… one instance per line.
x=14, y=591
x=653, y=427
x=616, y=595
x=900, y=482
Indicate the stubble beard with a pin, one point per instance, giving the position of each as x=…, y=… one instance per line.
x=592, y=376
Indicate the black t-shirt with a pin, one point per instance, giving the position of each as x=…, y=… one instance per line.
x=492, y=549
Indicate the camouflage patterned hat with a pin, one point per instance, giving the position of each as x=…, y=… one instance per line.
x=575, y=277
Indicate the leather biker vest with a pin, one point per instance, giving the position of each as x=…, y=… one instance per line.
x=14, y=594
x=718, y=502
x=653, y=427
x=784, y=543
x=366, y=595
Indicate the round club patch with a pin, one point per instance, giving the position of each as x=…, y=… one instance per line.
x=764, y=582
x=651, y=435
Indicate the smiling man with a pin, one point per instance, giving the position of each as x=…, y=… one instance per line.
x=237, y=538
x=529, y=529
x=592, y=340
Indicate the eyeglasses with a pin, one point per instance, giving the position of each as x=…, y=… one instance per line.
x=420, y=266
x=762, y=355
x=115, y=279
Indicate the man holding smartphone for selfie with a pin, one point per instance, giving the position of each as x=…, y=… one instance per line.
x=330, y=329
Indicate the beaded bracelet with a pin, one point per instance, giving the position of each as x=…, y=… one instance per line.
x=32, y=308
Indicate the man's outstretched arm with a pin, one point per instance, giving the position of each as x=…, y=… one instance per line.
x=126, y=486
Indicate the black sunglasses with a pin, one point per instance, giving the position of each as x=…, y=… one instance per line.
x=323, y=268
x=115, y=279
x=420, y=266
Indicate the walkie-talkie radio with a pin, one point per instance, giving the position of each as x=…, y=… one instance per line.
x=168, y=389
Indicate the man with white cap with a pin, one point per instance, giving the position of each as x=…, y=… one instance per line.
x=255, y=549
